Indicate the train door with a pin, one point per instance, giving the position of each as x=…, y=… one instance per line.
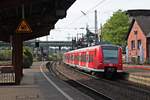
x=69, y=58
x=83, y=59
x=91, y=59
x=87, y=59
x=77, y=55
x=79, y=59
x=73, y=60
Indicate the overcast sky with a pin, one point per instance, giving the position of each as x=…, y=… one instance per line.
x=75, y=20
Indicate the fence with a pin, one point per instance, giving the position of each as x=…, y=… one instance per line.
x=7, y=75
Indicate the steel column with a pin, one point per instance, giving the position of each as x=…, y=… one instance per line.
x=17, y=44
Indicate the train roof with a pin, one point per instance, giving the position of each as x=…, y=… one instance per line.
x=92, y=47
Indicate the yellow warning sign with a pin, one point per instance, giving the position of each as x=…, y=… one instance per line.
x=23, y=27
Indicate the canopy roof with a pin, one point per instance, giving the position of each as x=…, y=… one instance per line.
x=41, y=15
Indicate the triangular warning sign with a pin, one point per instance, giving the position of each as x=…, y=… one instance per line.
x=23, y=27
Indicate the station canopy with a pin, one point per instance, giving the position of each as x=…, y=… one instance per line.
x=41, y=16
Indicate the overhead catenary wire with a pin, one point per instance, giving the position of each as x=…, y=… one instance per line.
x=87, y=12
x=93, y=8
x=73, y=28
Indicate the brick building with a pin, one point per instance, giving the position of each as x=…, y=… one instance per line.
x=138, y=38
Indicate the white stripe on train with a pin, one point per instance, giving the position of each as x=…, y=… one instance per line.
x=90, y=69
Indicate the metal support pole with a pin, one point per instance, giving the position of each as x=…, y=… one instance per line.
x=17, y=57
x=101, y=34
x=95, y=21
x=96, y=33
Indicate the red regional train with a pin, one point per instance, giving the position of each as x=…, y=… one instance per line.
x=100, y=58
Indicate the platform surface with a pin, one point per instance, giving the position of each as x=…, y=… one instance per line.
x=138, y=73
x=34, y=86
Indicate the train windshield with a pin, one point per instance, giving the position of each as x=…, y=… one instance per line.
x=110, y=54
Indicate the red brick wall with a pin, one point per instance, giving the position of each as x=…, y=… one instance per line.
x=140, y=36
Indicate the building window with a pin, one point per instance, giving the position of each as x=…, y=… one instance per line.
x=135, y=32
x=139, y=44
x=132, y=45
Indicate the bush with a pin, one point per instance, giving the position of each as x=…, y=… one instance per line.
x=27, y=58
x=147, y=61
x=55, y=57
x=5, y=55
x=135, y=60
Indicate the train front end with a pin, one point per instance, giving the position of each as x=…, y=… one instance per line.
x=112, y=59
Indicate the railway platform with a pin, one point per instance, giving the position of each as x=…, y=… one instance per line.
x=38, y=84
x=138, y=73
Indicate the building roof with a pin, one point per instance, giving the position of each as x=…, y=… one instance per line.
x=138, y=12
x=143, y=22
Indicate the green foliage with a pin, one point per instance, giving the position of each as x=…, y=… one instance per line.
x=116, y=28
x=54, y=57
x=147, y=62
x=5, y=55
x=27, y=57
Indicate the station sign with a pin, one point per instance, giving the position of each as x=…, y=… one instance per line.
x=23, y=27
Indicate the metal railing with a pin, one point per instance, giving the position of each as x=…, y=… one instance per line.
x=7, y=75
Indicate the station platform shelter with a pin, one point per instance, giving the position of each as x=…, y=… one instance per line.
x=22, y=20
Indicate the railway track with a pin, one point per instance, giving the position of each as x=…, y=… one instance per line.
x=117, y=82
x=78, y=85
x=114, y=90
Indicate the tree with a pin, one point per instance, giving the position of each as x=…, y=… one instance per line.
x=116, y=28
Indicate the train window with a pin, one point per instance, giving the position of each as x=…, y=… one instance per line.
x=69, y=57
x=110, y=54
x=87, y=57
x=75, y=58
x=84, y=57
x=79, y=57
x=90, y=58
x=72, y=57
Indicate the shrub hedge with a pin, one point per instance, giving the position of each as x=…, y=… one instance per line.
x=27, y=58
